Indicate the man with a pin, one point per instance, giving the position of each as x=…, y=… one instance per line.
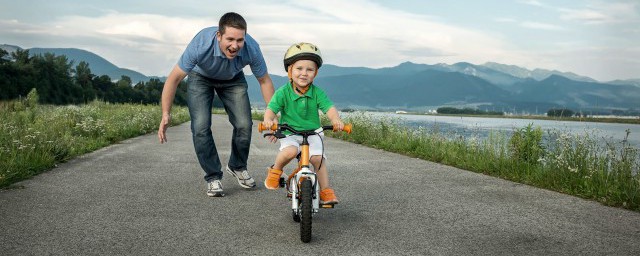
x=214, y=60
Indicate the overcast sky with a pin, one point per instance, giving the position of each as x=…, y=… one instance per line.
x=599, y=39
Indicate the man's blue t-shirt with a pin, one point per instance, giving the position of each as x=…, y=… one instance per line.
x=203, y=55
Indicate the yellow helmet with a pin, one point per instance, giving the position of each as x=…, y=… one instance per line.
x=302, y=51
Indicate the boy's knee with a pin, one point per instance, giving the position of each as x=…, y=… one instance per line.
x=315, y=159
x=289, y=153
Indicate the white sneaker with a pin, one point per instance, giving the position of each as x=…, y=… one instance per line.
x=214, y=188
x=243, y=177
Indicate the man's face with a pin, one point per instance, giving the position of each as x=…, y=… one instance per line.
x=231, y=41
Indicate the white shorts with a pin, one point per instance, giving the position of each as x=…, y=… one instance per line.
x=315, y=143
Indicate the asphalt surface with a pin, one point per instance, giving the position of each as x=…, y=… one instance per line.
x=143, y=198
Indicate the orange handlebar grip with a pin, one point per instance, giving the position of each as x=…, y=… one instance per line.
x=347, y=128
x=261, y=127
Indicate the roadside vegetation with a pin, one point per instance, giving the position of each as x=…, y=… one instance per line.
x=554, y=160
x=35, y=137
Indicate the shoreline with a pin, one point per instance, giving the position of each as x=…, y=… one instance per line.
x=619, y=119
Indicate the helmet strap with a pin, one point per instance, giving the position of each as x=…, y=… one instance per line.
x=301, y=90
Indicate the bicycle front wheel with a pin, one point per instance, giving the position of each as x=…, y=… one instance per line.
x=306, y=211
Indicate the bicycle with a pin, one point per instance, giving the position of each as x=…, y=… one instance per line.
x=304, y=191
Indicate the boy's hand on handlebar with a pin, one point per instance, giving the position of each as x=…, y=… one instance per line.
x=338, y=125
x=269, y=124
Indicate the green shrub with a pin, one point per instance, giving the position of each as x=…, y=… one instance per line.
x=526, y=144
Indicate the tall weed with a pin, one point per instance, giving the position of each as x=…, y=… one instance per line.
x=578, y=165
x=35, y=138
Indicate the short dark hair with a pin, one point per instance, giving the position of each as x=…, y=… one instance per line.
x=232, y=19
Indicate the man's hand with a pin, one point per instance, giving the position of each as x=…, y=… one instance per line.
x=164, y=123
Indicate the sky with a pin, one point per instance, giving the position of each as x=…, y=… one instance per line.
x=595, y=38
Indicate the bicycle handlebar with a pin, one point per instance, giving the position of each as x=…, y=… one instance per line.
x=347, y=128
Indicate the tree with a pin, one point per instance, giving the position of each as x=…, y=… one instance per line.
x=58, y=82
x=124, y=81
x=83, y=77
x=21, y=57
x=53, y=80
x=4, y=56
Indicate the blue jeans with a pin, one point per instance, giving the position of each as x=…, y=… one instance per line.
x=235, y=99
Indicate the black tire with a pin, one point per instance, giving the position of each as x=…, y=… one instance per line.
x=306, y=211
x=296, y=217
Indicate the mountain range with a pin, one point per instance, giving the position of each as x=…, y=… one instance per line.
x=420, y=87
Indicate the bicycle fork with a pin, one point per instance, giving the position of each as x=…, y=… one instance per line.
x=304, y=173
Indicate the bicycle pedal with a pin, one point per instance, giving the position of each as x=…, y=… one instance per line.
x=327, y=206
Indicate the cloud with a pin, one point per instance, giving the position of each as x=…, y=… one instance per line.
x=373, y=36
x=505, y=20
x=147, y=43
x=585, y=15
x=604, y=63
x=360, y=33
x=531, y=2
x=350, y=33
x=540, y=25
x=603, y=13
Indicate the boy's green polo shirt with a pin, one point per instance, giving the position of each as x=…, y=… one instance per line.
x=300, y=112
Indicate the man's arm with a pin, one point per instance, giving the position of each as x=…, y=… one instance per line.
x=266, y=86
x=168, y=94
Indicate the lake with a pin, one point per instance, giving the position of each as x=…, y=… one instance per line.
x=482, y=126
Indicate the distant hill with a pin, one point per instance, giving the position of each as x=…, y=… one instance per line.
x=98, y=65
x=412, y=86
x=9, y=48
x=634, y=82
x=420, y=87
x=563, y=91
x=536, y=74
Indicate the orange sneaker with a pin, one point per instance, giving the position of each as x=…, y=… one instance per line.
x=328, y=196
x=273, y=178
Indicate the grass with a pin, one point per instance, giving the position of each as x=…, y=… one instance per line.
x=572, y=164
x=34, y=138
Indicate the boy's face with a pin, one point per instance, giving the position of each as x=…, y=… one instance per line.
x=231, y=42
x=303, y=72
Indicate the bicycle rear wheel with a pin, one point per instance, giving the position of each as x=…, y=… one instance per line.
x=306, y=211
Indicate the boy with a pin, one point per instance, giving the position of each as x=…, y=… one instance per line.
x=298, y=103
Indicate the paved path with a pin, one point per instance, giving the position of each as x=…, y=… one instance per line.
x=142, y=198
